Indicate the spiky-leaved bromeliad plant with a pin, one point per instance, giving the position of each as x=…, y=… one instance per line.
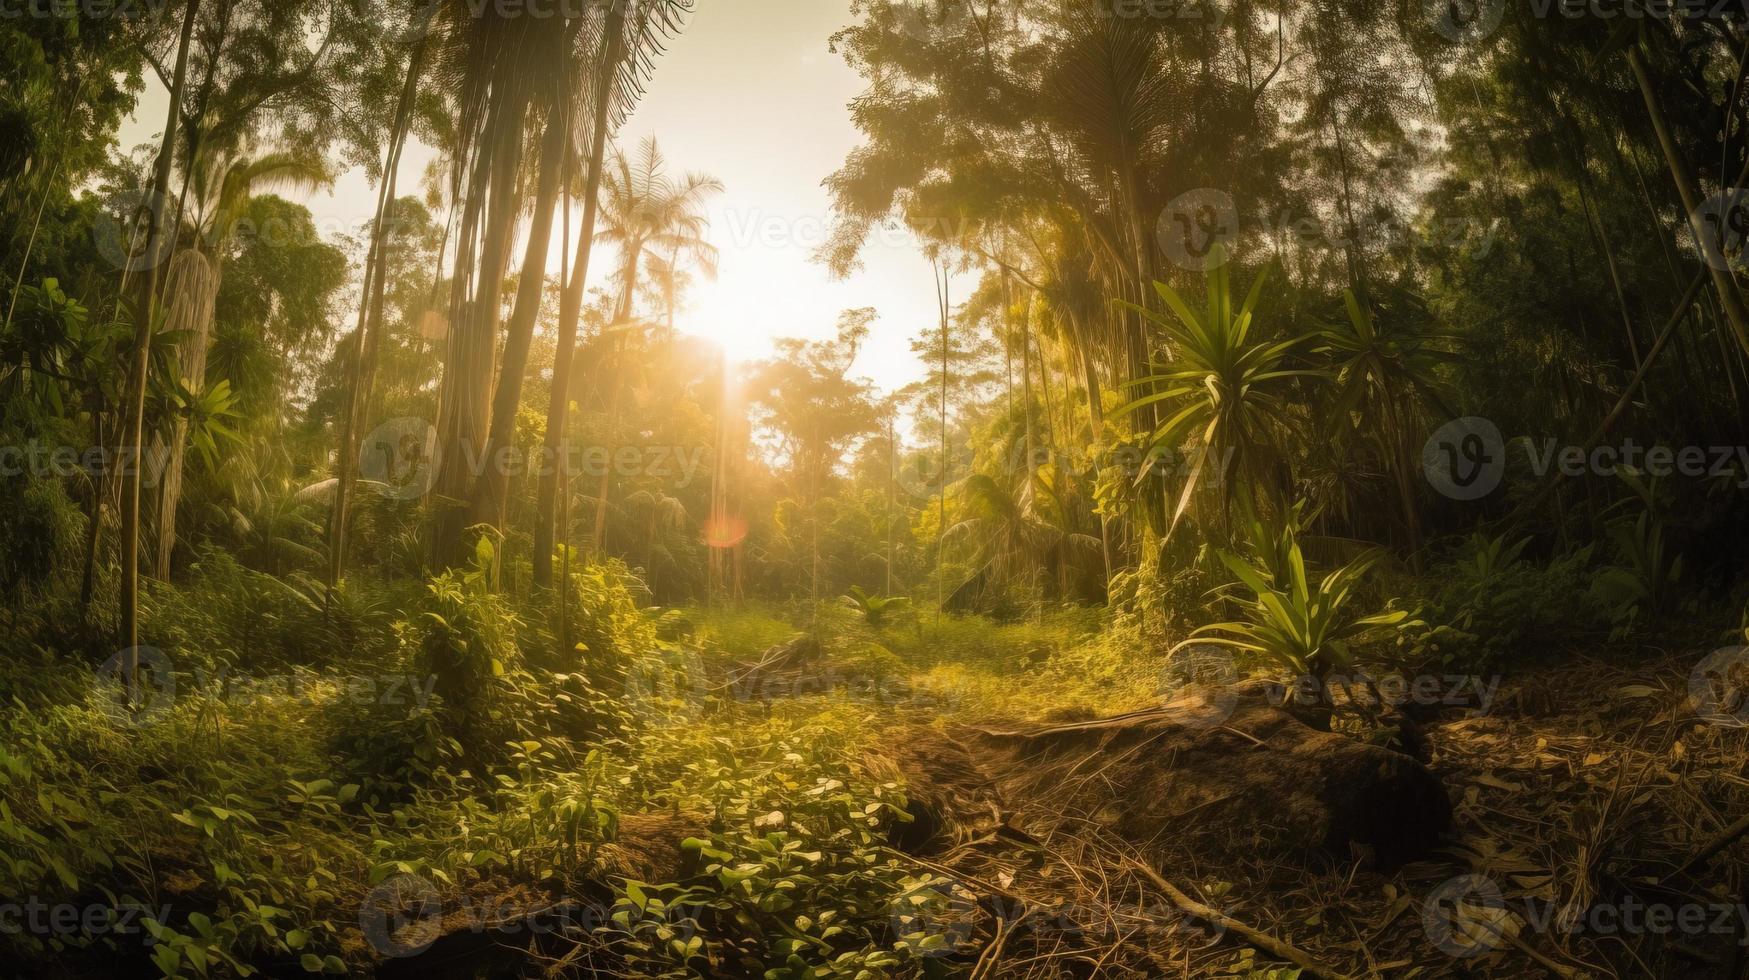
x=1306, y=625
x=874, y=609
x=1225, y=388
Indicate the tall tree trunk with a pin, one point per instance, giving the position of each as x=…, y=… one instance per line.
x=892, y=484
x=1594, y=215
x=30, y=243
x=1729, y=298
x=571, y=301
x=725, y=539
x=1404, y=465
x=1047, y=402
x=611, y=369
x=370, y=315
x=946, y=307
x=492, y=489
x=94, y=527
x=1096, y=426
x=1551, y=480
x=814, y=544
x=469, y=370
x=193, y=287
x=134, y=419
x=1155, y=493
x=1031, y=461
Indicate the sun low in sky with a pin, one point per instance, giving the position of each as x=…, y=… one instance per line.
x=750, y=94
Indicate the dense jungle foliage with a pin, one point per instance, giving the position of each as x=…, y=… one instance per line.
x=402, y=584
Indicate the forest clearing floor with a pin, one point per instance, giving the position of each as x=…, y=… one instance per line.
x=953, y=797
x=1584, y=799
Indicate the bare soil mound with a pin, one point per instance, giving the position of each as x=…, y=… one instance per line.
x=1237, y=776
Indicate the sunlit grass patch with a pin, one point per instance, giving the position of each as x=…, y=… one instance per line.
x=740, y=632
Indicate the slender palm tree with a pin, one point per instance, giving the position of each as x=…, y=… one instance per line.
x=152, y=218
x=650, y=217
x=492, y=487
x=507, y=71
x=370, y=307
x=607, y=68
x=666, y=281
x=222, y=189
x=1012, y=539
x=1688, y=191
x=482, y=61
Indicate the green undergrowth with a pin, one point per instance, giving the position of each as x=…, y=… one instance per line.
x=241, y=823
x=317, y=749
x=967, y=667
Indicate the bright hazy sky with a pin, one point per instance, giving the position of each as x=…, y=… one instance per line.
x=750, y=94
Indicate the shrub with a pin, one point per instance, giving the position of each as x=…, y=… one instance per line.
x=234, y=617
x=1490, y=603
x=41, y=531
x=795, y=880
x=1304, y=624
x=464, y=641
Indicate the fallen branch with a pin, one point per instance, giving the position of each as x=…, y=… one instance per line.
x=992, y=953
x=1564, y=972
x=1261, y=940
x=1717, y=844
